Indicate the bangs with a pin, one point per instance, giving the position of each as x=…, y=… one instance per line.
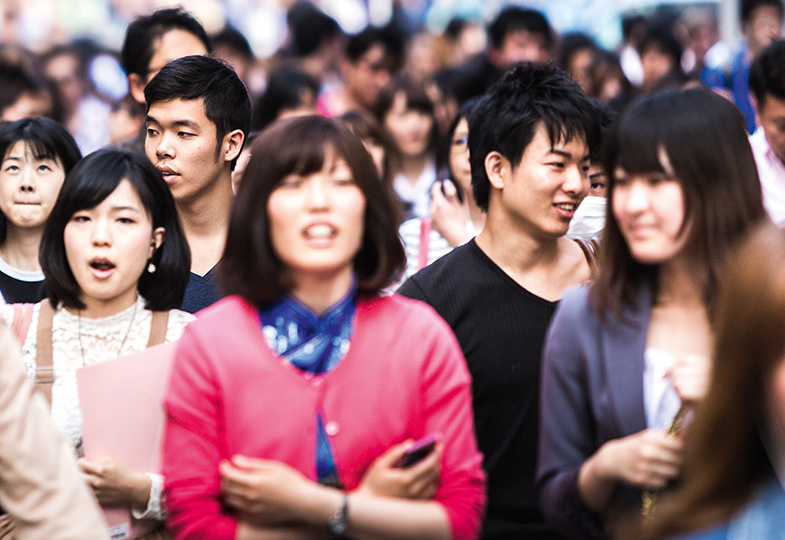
x=302, y=155
x=40, y=149
x=634, y=144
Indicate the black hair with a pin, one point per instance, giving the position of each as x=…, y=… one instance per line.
x=142, y=33
x=287, y=88
x=250, y=266
x=464, y=113
x=505, y=119
x=22, y=75
x=45, y=138
x=360, y=43
x=91, y=181
x=606, y=116
x=661, y=37
x=516, y=19
x=571, y=43
x=310, y=28
x=747, y=7
x=767, y=73
x=232, y=38
x=226, y=101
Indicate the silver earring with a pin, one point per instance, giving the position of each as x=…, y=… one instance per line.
x=151, y=268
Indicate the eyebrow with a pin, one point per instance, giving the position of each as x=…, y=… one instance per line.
x=567, y=155
x=176, y=123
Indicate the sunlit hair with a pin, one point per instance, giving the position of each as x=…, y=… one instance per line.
x=90, y=182
x=705, y=141
x=250, y=266
x=749, y=345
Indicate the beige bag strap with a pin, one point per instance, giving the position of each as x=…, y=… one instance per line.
x=44, y=367
x=23, y=315
x=158, y=328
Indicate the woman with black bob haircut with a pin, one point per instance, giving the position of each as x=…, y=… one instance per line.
x=93, y=180
x=299, y=423
x=628, y=357
x=37, y=154
x=116, y=264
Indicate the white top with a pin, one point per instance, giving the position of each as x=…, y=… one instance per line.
x=101, y=340
x=21, y=275
x=772, y=176
x=419, y=195
x=660, y=400
x=409, y=232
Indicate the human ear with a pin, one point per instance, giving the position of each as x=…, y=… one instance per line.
x=157, y=240
x=496, y=167
x=136, y=86
x=233, y=144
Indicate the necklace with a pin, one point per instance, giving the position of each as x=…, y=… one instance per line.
x=122, y=344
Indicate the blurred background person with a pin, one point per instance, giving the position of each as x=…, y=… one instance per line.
x=629, y=355
x=738, y=490
x=455, y=218
x=37, y=154
x=407, y=116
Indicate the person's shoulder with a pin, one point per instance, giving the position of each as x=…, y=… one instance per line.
x=408, y=315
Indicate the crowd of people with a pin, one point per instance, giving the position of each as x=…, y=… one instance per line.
x=415, y=291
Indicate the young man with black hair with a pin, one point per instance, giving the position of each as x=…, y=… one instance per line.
x=767, y=84
x=529, y=145
x=198, y=116
x=152, y=41
x=371, y=59
x=517, y=34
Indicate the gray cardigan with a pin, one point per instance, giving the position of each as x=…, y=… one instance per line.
x=592, y=392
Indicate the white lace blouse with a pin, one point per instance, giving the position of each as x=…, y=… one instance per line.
x=77, y=343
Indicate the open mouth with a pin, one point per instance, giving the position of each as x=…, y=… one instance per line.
x=102, y=265
x=319, y=231
x=567, y=207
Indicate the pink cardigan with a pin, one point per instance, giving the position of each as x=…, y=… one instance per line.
x=403, y=377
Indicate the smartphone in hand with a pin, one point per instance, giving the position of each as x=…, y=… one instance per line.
x=419, y=450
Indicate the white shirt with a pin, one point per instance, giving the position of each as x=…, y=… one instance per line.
x=419, y=195
x=771, y=171
x=660, y=400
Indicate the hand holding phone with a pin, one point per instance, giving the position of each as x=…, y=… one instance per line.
x=419, y=450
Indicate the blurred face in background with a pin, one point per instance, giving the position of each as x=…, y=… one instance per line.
x=409, y=129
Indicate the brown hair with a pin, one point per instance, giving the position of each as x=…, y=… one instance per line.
x=705, y=140
x=250, y=267
x=749, y=345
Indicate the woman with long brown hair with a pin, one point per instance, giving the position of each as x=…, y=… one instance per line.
x=734, y=462
x=629, y=354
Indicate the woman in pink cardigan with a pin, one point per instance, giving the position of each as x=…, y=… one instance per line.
x=292, y=401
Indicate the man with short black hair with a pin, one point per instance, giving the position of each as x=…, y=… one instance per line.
x=152, y=41
x=371, y=58
x=517, y=34
x=198, y=116
x=767, y=84
x=529, y=143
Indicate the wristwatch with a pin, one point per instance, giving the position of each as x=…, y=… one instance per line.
x=339, y=522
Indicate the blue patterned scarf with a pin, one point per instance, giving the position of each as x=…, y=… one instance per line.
x=315, y=345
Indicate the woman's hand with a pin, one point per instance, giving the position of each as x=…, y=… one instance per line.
x=264, y=492
x=648, y=459
x=448, y=217
x=691, y=376
x=420, y=481
x=113, y=482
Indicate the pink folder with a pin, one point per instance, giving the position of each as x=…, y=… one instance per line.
x=123, y=418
